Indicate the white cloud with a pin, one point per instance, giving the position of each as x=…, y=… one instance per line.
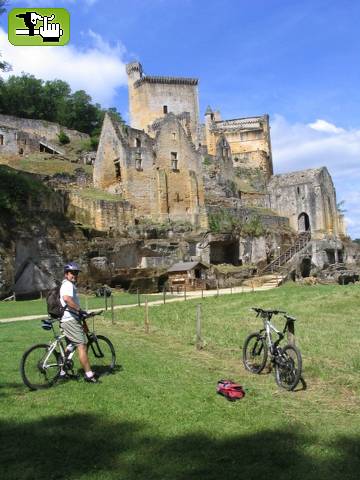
x=99, y=69
x=324, y=126
x=301, y=146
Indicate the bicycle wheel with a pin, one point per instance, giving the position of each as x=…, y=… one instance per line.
x=288, y=367
x=101, y=354
x=255, y=353
x=39, y=368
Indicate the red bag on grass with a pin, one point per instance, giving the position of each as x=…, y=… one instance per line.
x=229, y=389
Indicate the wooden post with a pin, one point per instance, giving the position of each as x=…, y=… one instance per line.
x=106, y=301
x=231, y=290
x=146, y=316
x=112, y=309
x=198, y=327
x=164, y=294
x=138, y=297
x=291, y=333
x=202, y=292
x=86, y=303
x=217, y=288
x=184, y=292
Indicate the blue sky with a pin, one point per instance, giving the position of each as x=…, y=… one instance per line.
x=298, y=61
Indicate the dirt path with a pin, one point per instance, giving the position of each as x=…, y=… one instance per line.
x=178, y=298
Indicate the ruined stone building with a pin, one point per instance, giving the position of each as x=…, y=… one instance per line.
x=21, y=136
x=158, y=163
x=160, y=177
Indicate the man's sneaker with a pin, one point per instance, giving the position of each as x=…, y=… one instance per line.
x=64, y=376
x=93, y=379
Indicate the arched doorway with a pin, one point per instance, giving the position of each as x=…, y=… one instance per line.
x=303, y=222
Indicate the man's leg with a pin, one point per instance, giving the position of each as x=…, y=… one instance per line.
x=83, y=357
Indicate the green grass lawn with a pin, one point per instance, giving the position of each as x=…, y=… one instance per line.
x=159, y=417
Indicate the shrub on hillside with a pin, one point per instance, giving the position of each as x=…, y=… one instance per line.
x=63, y=138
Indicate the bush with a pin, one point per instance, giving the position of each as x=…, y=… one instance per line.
x=63, y=138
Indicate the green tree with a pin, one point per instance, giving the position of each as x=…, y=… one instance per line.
x=23, y=96
x=55, y=97
x=30, y=97
x=82, y=114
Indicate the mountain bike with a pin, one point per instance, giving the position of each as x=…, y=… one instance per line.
x=42, y=363
x=286, y=360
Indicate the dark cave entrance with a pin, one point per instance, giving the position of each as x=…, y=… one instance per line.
x=224, y=252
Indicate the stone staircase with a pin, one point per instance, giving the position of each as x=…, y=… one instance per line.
x=279, y=264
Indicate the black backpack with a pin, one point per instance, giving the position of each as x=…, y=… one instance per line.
x=54, y=307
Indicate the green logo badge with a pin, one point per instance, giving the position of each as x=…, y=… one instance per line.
x=39, y=26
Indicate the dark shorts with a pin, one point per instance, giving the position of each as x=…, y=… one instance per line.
x=74, y=332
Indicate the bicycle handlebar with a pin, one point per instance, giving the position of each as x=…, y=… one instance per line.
x=93, y=314
x=261, y=311
x=270, y=313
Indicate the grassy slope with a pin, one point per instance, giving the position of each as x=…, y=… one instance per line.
x=159, y=417
x=43, y=164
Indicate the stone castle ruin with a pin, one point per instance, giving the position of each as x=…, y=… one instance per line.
x=171, y=167
x=175, y=188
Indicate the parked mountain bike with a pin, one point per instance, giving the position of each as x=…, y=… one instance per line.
x=42, y=363
x=286, y=360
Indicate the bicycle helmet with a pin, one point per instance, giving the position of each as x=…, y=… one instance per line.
x=72, y=267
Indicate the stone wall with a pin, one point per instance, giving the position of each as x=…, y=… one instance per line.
x=41, y=128
x=101, y=214
x=15, y=142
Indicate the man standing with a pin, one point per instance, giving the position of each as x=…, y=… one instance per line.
x=70, y=322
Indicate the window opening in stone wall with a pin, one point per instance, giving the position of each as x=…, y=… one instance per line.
x=165, y=109
x=138, y=163
x=298, y=190
x=117, y=169
x=303, y=222
x=1, y=139
x=212, y=116
x=225, y=152
x=21, y=151
x=174, y=161
x=137, y=142
x=174, y=136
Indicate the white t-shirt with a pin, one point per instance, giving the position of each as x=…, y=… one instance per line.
x=69, y=289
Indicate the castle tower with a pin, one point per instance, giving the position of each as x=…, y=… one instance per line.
x=152, y=97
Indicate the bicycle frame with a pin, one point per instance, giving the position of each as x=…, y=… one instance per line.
x=269, y=328
x=57, y=343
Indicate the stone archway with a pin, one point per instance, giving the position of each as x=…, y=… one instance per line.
x=303, y=222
